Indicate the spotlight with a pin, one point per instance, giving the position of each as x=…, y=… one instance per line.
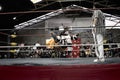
x=13, y=43
x=14, y=18
x=0, y=7
x=35, y=1
x=13, y=35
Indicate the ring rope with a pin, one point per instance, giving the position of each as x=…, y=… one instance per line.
x=60, y=45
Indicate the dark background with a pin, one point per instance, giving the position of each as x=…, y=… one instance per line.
x=7, y=22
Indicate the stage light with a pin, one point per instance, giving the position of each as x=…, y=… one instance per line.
x=35, y=1
x=12, y=51
x=13, y=35
x=13, y=43
x=0, y=7
x=14, y=18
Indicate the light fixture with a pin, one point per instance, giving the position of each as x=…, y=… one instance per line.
x=0, y=7
x=14, y=18
x=13, y=43
x=35, y=1
x=13, y=35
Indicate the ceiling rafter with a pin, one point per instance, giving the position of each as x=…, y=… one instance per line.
x=103, y=3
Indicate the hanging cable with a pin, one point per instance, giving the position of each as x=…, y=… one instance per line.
x=26, y=12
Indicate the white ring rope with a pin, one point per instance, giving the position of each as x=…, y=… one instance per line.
x=60, y=45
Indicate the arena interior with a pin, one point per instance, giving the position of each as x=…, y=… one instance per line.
x=53, y=40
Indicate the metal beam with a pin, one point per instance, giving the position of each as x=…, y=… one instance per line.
x=63, y=0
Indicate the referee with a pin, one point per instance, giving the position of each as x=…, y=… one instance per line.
x=98, y=31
